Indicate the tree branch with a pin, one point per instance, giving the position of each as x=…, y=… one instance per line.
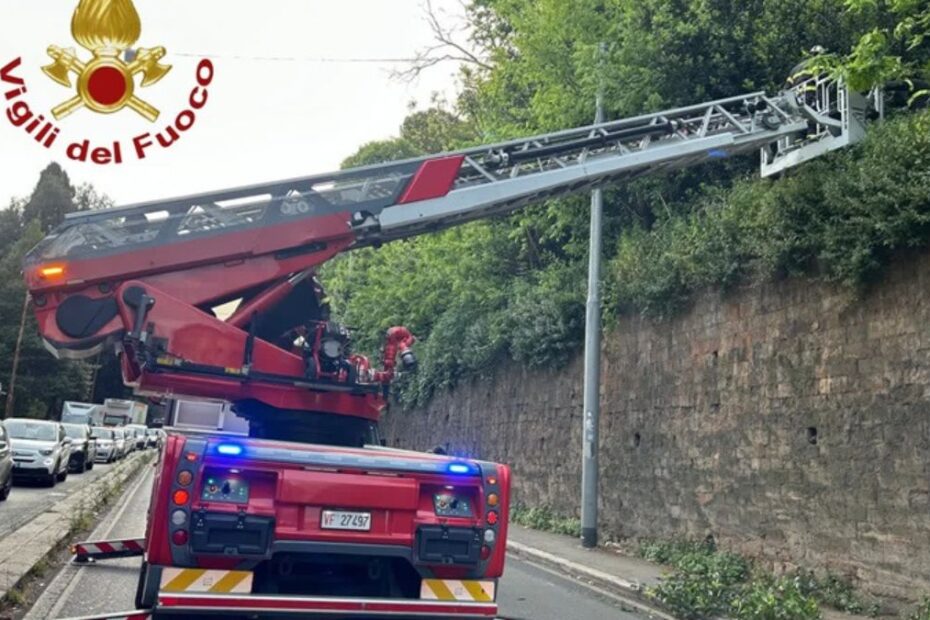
x=446, y=49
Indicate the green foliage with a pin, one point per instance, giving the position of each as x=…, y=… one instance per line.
x=52, y=198
x=670, y=552
x=769, y=598
x=896, y=46
x=840, y=219
x=835, y=591
x=707, y=583
x=922, y=612
x=543, y=518
x=42, y=382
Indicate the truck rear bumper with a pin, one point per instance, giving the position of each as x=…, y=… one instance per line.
x=231, y=605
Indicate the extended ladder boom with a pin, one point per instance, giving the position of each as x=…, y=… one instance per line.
x=148, y=275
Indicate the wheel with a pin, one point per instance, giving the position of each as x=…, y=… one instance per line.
x=63, y=475
x=50, y=480
x=90, y=465
x=144, y=599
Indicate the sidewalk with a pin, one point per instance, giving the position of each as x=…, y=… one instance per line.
x=621, y=575
x=22, y=549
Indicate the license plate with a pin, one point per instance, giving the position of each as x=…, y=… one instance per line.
x=342, y=520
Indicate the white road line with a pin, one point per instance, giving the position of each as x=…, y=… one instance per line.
x=98, y=534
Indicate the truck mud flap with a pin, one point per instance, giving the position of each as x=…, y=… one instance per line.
x=225, y=606
x=107, y=550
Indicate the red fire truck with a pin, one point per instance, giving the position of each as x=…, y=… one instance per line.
x=311, y=514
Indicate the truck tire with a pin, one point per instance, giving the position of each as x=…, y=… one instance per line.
x=147, y=589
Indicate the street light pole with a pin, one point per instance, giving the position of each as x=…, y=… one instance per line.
x=592, y=365
x=19, y=343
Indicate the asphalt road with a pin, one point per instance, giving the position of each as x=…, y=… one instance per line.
x=29, y=499
x=527, y=592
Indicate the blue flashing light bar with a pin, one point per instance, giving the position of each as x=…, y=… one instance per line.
x=229, y=449
x=460, y=468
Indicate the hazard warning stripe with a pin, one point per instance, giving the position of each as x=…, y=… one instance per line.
x=177, y=580
x=457, y=590
x=107, y=549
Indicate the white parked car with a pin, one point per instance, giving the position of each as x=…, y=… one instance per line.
x=40, y=449
x=138, y=432
x=107, y=451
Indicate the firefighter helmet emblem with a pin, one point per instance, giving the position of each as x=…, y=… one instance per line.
x=106, y=83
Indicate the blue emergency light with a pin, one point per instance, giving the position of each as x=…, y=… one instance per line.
x=229, y=449
x=459, y=468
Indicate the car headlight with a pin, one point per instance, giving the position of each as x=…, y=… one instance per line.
x=46, y=452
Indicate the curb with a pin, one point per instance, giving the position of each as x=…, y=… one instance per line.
x=26, y=547
x=630, y=592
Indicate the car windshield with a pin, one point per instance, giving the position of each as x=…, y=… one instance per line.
x=75, y=431
x=39, y=431
x=103, y=433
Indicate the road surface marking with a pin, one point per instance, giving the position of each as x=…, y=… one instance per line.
x=114, y=521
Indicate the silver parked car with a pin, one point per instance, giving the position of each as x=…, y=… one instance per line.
x=123, y=446
x=107, y=451
x=6, y=465
x=83, y=447
x=40, y=449
x=136, y=433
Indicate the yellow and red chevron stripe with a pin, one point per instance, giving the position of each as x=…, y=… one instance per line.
x=457, y=590
x=177, y=580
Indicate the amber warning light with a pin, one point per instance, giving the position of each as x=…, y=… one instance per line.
x=51, y=272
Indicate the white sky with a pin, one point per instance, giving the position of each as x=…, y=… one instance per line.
x=265, y=119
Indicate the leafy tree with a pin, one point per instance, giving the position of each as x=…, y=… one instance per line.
x=52, y=198
x=42, y=382
x=515, y=286
x=896, y=47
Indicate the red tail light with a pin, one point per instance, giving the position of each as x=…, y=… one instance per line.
x=179, y=537
x=492, y=518
x=181, y=497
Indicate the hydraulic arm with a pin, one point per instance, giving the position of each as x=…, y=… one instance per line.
x=152, y=278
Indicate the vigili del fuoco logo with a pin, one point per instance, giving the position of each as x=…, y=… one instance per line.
x=105, y=81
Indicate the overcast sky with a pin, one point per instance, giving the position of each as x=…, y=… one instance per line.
x=265, y=119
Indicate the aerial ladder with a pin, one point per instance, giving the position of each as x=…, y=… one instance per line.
x=148, y=279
